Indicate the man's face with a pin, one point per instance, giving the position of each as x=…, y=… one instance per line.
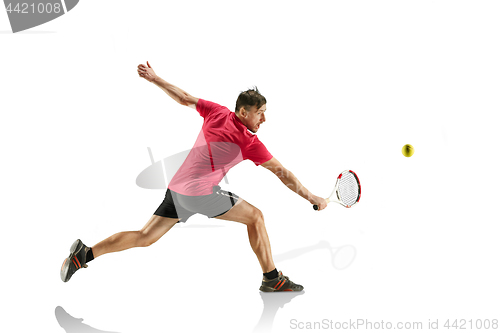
x=253, y=118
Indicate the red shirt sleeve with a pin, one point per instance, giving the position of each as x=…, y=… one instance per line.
x=257, y=152
x=204, y=107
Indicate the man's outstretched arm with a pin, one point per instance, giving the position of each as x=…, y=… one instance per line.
x=292, y=182
x=179, y=95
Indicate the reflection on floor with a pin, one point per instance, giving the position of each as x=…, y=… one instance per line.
x=272, y=303
x=74, y=325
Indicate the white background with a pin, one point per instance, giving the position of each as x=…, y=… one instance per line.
x=348, y=83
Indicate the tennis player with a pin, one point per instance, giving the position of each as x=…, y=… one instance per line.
x=226, y=139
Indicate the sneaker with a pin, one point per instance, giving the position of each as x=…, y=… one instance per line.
x=281, y=283
x=75, y=261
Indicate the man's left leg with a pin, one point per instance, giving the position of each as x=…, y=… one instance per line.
x=154, y=229
x=80, y=254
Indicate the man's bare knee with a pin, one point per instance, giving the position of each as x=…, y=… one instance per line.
x=144, y=239
x=257, y=217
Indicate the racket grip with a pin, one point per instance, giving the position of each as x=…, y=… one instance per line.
x=316, y=206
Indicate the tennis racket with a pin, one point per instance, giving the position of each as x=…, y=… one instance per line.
x=347, y=191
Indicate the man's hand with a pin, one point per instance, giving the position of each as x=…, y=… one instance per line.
x=320, y=202
x=177, y=94
x=147, y=72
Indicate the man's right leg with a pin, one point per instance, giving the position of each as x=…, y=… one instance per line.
x=154, y=229
x=253, y=218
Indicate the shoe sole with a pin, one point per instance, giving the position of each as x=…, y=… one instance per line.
x=74, y=249
x=77, y=246
x=271, y=289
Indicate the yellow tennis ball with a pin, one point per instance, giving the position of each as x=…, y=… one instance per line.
x=408, y=150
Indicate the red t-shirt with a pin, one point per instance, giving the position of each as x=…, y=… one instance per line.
x=222, y=143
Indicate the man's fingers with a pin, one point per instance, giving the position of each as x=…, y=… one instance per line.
x=147, y=62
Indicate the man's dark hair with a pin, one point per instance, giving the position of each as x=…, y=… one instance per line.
x=249, y=98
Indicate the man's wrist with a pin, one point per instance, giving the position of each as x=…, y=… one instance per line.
x=311, y=198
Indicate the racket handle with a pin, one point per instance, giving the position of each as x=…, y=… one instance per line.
x=316, y=206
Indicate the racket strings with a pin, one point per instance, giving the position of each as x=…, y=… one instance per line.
x=348, y=189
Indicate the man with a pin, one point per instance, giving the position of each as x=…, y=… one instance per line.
x=224, y=141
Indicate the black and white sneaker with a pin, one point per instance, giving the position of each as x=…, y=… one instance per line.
x=76, y=260
x=281, y=283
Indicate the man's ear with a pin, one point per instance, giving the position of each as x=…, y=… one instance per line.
x=243, y=112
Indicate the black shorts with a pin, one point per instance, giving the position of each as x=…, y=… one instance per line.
x=180, y=206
